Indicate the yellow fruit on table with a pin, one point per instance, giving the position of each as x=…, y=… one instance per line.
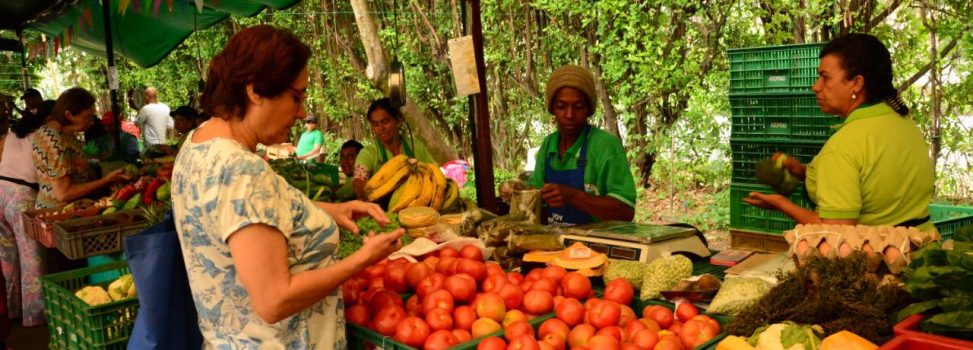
x=734, y=343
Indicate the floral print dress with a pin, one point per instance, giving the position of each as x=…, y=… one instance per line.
x=220, y=187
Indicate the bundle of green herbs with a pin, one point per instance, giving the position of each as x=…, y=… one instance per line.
x=940, y=278
x=836, y=294
x=351, y=242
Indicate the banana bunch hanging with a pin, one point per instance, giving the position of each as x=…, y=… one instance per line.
x=412, y=184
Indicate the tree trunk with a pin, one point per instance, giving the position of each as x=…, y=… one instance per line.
x=377, y=74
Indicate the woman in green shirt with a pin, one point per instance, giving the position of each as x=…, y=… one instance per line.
x=386, y=122
x=875, y=169
x=581, y=170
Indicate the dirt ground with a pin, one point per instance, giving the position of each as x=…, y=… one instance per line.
x=663, y=207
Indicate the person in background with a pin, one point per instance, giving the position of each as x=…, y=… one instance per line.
x=184, y=120
x=153, y=119
x=310, y=145
x=347, y=155
x=21, y=257
x=62, y=171
x=32, y=98
x=582, y=170
x=260, y=255
x=386, y=122
x=456, y=169
x=100, y=144
x=875, y=169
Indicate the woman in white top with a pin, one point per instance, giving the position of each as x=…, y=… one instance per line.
x=20, y=256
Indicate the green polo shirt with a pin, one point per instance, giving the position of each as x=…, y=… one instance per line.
x=606, y=171
x=370, y=157
x=875, y=168
x=309, y=140
x=346, y=192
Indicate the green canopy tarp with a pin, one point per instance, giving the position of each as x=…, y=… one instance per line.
x=143, y=31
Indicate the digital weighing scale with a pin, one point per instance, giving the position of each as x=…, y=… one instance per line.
x=632, y=241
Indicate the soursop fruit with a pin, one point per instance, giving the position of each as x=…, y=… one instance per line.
x=663, y=274
x=627, y=269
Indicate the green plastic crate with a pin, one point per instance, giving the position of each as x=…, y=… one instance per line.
x=774, y=69
x=948, y=219
x=784, y=117
x=749, y=218
x=746, y=153
x=73, y=324
x=360, y=337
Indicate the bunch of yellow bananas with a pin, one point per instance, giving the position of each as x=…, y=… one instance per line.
x=412, y=184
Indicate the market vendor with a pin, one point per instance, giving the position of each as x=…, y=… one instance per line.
x=581, y=170
x=310, y=147
x=62, y=171
x=875, y=169
x=386, y=122
x=348, y=154
x=100, y=145
x=260, y=255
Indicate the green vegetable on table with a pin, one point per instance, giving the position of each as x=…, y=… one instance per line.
x=940, y=277
x=633, y=271
x=786, y=336
x=350, y=242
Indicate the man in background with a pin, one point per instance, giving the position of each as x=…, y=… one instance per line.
x=349, y=151
x=310, y=145
x=153, y=119
x=32, y=98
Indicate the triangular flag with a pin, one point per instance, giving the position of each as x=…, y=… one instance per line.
x=169, y=4
x=68, y=34
x=199, y=5
x=57, y=45
x=138, y=6
x=81, y=23
x=123, y=6
x=155, y=7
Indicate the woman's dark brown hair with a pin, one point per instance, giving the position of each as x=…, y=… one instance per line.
x=269, y=58
x=74, y=100
x=865, y=55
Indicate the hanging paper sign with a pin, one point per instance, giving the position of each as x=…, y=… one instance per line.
x=462, y=61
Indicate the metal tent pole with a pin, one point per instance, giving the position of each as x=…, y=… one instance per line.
x=112, y=78
x=480, y=118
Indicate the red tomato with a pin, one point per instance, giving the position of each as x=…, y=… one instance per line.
x=614, y=332
x=416, y=273
x=651, y=324
x=494, y=269
x=633, y=327
x=696, y=332
x=512, y=295
x=523, y=342
x=376, y=283
x=442, y=266
x=439, y=319
x=620, y=291
x=412, y=331
x=686, y=311
x=629, y=346
x=413, y=306
x=668, y=343
x=492, y=343
x=430, y=284
x=484, y=326
x=545, y=284
x=517, y=329
x=462, y=335
x=493, y=283
x=387, y=319
x=708, y=319
x=558, y=298
x=676, y=327
x=553, y=326
x=357, y=314
x=557, y=341
x=580, y=334
x=440, y=340
x=448, y=252
x=602, y=342
x=463, y=317
x=431, y=261
x=660, y=314
x=538, y=302
x=645, y=339
x=440, y=299
x=474, y=268
x=471, y=252
x=383, y=299
x=375, y=271
x=490, y=305
x=395, y=278
x=555, y=273
x=576, y=285
x=352, y=289
x=461, y=286
x=534, y=274
x=513, y=316
x=515, y=278
x=628, y=316
x=605, y=313
x=570, y=311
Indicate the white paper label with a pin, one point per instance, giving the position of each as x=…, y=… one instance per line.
x=462, y=61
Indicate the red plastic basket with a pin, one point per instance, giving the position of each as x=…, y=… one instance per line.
x=922, y=341
x=39, y=224
x=910, y=327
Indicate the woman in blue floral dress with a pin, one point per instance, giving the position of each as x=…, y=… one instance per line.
x=259, y=254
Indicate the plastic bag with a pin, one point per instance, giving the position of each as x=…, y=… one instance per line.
x=738, y=294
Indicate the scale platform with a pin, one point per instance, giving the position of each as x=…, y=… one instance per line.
x=633, y=241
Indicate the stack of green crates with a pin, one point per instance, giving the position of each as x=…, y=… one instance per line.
x=772, y=110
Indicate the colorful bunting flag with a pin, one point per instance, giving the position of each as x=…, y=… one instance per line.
x=123, y=6
x=155, y=7
x=87, y=17
x=138, y=6
x=169, y=4
x=199, y=5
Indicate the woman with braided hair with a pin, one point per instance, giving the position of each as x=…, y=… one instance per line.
x=875, y=169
